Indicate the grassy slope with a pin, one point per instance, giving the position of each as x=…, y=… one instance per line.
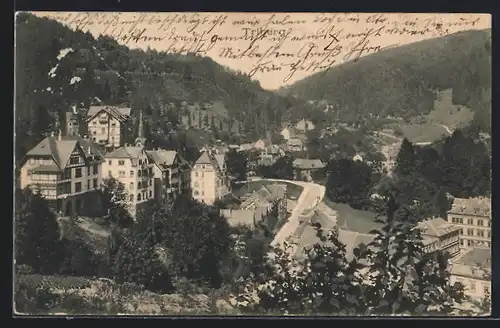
x=400, y=81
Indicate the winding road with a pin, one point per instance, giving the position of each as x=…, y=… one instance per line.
x=311, y=196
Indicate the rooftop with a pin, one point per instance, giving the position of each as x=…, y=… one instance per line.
x=303, y=163
x=480, y=206
x=475, y=262
x=162, y=157
x=131, y=152
x=118, y=112
x=436, y=227
x=60, y=148
x=352, y=240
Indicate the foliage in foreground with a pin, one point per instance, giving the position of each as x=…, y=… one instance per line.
x=390, y=276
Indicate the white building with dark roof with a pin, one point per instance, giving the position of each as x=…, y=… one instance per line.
x=439, y=235
x=209, y=178
x=106, y=124
x=473, y=216
x=132, y=167
x=66, y=171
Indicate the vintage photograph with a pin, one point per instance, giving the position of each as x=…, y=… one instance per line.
x=252, y=164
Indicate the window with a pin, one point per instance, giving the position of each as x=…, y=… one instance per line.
x=488, y=244
x=78, y=173
x=109, y=174
x=94, y=132
x=66, y=174
x=150, y=194
x=140, y=162
x=95, y=183
x=94, y=122
x=196, y=174
x=461, y=231
x=113, y=124
x=196, y=184
x=88, y=184
x=121, y=163
x=486, y=290
x=121, y=174
x=95, y=169
x=131, y=185
x=103, y=130
x=479, y=222
x=131, y=173
x=460, y=220
x=480, y=233
x=109, y=162
x=196, y=193
x=74, y=160
x=139, y=185
x=78, y=187
x=470, y=221
x=131, y=198
x=139, y=173
x=138, y=197
x=489, y=224
x=489, y=234
x=473, y=286
x=150, y=182
x=470, y=232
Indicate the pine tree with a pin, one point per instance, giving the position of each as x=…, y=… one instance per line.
x=441, y=203
x=406, y=159
x=37, y=235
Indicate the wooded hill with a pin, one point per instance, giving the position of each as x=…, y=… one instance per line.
x=403, y=81
x=153, y=81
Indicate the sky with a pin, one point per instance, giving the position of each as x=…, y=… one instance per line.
x=277, y=49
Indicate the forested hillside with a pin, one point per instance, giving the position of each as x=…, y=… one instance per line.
x=403, y=81
x=58, y=69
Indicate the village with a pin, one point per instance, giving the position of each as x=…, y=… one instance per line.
x=68, y=170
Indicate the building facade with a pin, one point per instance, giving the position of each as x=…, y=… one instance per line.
x=209, y=178
x=66, y=171
x=107, y=124
x=167, y=174
x=131, y=166
x=307, y=169
x=439, y=235
x=473, y=216
x=473, y=270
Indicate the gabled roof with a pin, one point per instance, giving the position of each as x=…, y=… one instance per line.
x=294, y=142
x=130, y=152
x=120, y=113
x=60, y=150
x=436, y=227
x=472, y=206
x=352, y=240
x=217, y=161
x=162, y=157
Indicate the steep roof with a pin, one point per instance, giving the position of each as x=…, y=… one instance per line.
x=353, y=239
x=436, y=227
x=162, y=157
x=217, y=161
x=60, y=150
x=126, y=152
x=120, y=113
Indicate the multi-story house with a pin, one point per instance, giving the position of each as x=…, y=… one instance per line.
x=167, y=175
x=209, y=178
x=295, y=145
x=439, y=235
x=473, y=216
x=67, y=172
x=473, y=270
x=72, y=126
x=131, y=166
x=107, y=124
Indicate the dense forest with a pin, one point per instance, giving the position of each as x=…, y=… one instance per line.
x=403, y=81
x=58, y=69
